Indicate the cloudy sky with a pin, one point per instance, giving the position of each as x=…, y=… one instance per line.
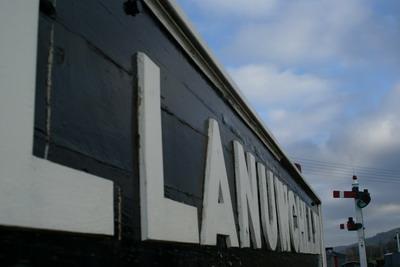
x=325, y=77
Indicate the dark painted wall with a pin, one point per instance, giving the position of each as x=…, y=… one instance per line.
x=87, y=118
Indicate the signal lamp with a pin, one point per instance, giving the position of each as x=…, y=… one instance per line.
x=363, y=199
x=352, y=226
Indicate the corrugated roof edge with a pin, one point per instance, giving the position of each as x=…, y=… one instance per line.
x=174, y=19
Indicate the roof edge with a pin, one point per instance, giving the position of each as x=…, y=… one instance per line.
x=176, y=22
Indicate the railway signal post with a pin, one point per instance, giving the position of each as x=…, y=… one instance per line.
x=361, y=200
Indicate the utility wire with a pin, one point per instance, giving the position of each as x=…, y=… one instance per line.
x=342, y=177
x=342, y=170
x=347, y=173
x=348, y=166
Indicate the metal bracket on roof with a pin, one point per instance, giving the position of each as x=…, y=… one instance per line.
x=47, y=7
x=133, y=7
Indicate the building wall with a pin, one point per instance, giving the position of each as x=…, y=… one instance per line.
x=85, y=118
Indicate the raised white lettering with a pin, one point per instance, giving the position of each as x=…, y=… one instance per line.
x=161, y=218
x=268, y=206
x=247, y=198
x=293, y=221
x=281, y=192
x=302, y=226
x=217, y=204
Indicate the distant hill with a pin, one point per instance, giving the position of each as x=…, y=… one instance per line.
x=380, y=239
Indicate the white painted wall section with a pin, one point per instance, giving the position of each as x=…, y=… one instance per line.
x=161, y=218
x=36, y=193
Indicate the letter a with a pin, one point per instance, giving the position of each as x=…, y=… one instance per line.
x=217, y=204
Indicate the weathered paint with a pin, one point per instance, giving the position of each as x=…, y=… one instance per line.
x=217, y=215
x=162, y=219
x=34, y=192
x=94, y=129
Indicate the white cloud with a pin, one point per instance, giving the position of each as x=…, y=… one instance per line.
x=372, y=137
x=304, y=32
x=369, y=140
x=269, y=85
x=296, y=106
x=227, y=8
